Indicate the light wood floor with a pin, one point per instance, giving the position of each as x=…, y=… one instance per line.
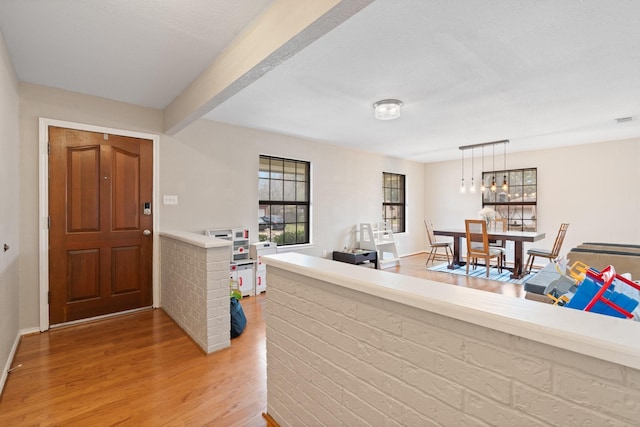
x=415, y=266
x=142, y=370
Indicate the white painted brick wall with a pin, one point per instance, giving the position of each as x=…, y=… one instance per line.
x=337, y=357
x=195, y=291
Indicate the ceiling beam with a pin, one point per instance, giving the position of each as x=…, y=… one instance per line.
x=284, y=29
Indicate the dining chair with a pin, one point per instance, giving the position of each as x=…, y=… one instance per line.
x=552, y=254
x=500, y=225
x=435, y=244
x=478, y=245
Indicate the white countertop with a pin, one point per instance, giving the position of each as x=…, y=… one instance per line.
x=196, y=239
x=603, y=337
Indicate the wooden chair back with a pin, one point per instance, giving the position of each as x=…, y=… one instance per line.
x=559, y=239
x=499, y=224
x=429, y=226
x=477, y=240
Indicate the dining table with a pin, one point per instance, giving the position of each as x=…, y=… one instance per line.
x=518, y=237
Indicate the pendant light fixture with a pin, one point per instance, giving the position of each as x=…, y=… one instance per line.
x=505, y=186
x=493, y=177
x=483, y=188
x=462, y=187
x=472, y=189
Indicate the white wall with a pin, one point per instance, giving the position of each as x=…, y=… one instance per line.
x=593, y=187
x=214, y=172
x=195, y=288
x=350, y=349
x=9, y=212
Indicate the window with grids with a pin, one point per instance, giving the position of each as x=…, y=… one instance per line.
x=283, y=205
x=517, y=201
x=393, y=203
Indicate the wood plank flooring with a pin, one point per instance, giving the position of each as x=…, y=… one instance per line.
x=141, y=369
x=415, y=266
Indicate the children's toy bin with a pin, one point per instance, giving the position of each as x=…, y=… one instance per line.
x=589, y=288
x=597, y=294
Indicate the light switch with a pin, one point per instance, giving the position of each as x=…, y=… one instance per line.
x=168, y=199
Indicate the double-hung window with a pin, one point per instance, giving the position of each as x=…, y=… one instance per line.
x=393, y=202
x=283, y=205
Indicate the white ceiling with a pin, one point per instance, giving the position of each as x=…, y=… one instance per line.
x=144, y=52
x=539, y=73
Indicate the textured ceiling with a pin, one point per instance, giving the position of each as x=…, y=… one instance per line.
x=541, y=74
x=144, y=52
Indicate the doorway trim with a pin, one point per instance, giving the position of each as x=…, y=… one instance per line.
x=43, y=210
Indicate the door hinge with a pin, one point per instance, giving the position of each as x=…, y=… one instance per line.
x=49, y=297
x=48, y=223
x=48, y=148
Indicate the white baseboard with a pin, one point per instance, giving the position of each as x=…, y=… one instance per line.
x=29, y=331
x=12, y=354
x=412, y=254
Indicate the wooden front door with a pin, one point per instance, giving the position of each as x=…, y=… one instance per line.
x=100, y=252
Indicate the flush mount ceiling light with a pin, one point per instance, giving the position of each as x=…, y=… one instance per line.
x=387, y=109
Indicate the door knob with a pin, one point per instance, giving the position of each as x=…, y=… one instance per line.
x=147, y=232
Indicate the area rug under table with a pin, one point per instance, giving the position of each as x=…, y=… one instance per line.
x=480, y=272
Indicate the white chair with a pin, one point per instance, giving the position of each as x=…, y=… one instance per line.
x=379, y=237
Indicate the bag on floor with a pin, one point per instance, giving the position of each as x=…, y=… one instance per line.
x=238, y=319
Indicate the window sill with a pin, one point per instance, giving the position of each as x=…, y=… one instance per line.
x=294, y=248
